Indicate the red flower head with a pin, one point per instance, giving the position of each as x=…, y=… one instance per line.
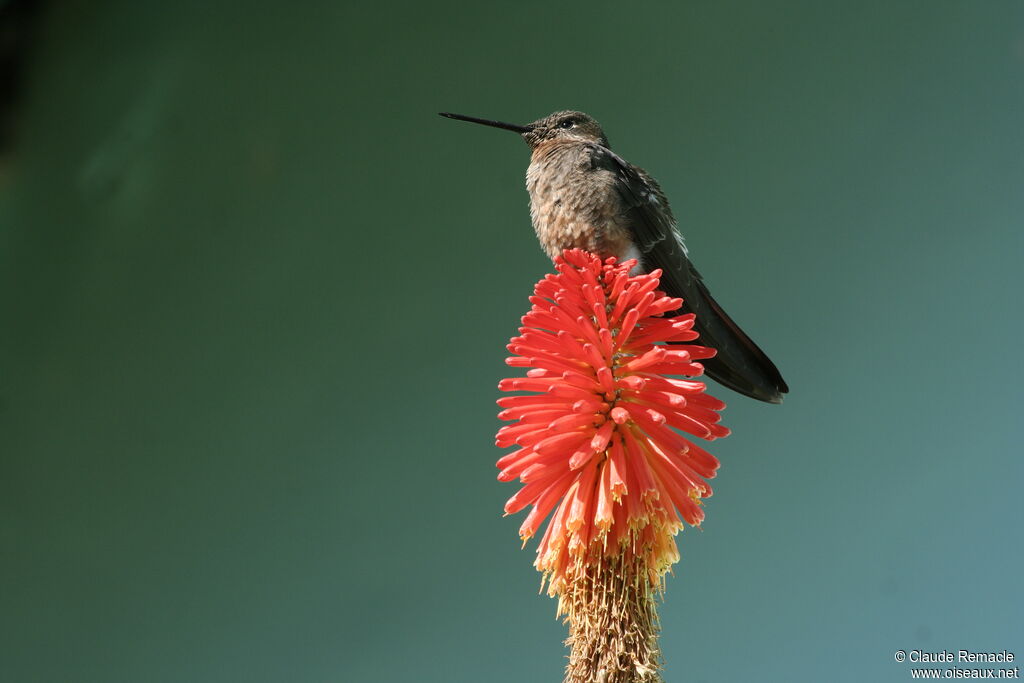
x=599, y=439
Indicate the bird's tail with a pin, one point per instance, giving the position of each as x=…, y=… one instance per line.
x=739, y=364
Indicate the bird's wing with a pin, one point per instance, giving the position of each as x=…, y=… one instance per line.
x=739, y=364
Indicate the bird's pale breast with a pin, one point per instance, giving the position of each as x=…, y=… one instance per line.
x=574, y=204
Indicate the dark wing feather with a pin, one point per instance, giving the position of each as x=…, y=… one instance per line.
x=739, y=364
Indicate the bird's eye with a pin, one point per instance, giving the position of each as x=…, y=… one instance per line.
x=568, y=123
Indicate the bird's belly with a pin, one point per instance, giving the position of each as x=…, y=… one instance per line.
x=602, y=238
x=575, y=217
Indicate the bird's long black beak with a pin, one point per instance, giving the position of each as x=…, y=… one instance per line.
x=487, y=122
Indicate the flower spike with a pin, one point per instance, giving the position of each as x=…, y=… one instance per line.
x=601, y=449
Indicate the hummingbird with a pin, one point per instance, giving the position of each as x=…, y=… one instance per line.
x=585, y=196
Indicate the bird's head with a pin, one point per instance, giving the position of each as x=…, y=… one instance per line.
x=572, y=126
x=565, y=125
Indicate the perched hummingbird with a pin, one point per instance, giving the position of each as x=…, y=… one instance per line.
x=583, y=195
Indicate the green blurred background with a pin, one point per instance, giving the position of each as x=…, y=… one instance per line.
x=255, y=295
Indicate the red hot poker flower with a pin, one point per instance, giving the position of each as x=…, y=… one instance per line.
x=598, y=441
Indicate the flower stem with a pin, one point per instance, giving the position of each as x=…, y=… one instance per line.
x=613, y=625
